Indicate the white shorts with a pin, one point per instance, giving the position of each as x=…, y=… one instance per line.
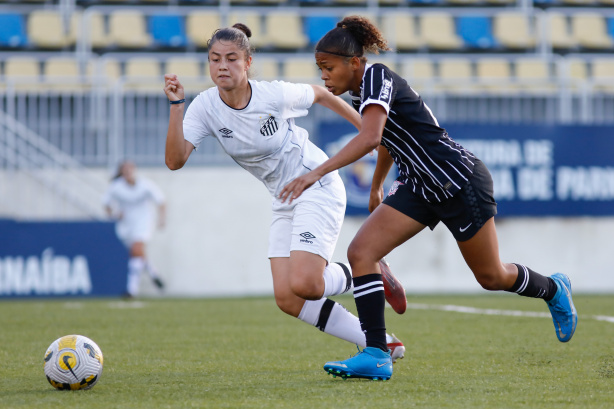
x=133, y=232
x=311, y=223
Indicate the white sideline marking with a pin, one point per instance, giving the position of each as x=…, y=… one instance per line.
x=126, y=304
x=490, y=311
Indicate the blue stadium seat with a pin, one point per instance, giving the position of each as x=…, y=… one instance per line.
x=317, y=26
x=476, y=31
x=12, y=30
x=168, y=30
x=611, y=26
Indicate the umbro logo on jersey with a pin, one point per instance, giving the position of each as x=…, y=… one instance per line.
x=269, y=126
x=385, y=90
x=226, y=133
x=307, y=237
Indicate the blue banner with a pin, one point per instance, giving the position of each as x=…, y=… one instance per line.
x=538, y=170
x=63, y=259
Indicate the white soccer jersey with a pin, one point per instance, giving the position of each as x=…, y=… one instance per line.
x=134, y=203
x=262, y=137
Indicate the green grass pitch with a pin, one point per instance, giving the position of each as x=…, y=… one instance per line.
x=245, y=353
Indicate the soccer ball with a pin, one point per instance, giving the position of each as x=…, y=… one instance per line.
x=73, y=362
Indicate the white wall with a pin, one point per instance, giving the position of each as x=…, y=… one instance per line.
x=217, y=237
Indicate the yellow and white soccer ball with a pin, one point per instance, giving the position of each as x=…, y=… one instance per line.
x=73, y=362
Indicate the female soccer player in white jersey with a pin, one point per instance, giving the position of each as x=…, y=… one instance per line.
x=254, y=123
x=129, y=200
x=439, y=181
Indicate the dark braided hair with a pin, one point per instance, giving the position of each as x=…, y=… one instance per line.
x=353, y=37
x=238, y=34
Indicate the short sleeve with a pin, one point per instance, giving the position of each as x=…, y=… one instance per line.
x=297, y=99
x=107, y=198
x=378, y=88
x=194, y=128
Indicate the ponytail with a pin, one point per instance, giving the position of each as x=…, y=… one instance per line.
x=354, y=36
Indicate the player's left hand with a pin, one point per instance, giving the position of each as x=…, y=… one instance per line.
x=295, y=188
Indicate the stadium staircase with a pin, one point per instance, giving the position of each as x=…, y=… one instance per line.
x=61, y=177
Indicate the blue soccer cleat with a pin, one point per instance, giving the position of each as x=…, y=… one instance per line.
x=561, y=307
x=370, y=363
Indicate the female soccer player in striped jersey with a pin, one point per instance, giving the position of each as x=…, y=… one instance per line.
x=439, y=181
x=254, y=123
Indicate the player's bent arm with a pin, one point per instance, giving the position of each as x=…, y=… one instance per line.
x=177, y=149
x=337, y=105
x=382, y=167
x=373, y=120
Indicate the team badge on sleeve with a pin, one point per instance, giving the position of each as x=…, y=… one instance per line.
x=268, y=126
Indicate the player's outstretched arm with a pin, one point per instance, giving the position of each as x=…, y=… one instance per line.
x=177, y=148
x=337, y=105
x=369, y=137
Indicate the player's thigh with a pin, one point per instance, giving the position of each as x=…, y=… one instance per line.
x=481, y=252
x=384, y=230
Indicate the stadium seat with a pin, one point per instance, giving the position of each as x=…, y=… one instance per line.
x=476, y=31
x=168, y=30
x=46, y=30
x=183, y=67
x=513, y=30
x=188, y=69
x=317, y=26
x=603, y=74
x=464, y=2
x=456, y=75
x=590, y=30
x=264, y=68
x=585, y=3
x=104, y=71
x=285, y=30
x=201, y=25
x=438, y=31
x=300, y=69
x=400, y=28
x=127, y=29
x=418, y=72
x=253, y=20
x=143, y=73
x=93, y=21
x=494, y=74
x=533, y=75
x=611, y=26
x=12, y=30
x=559, y=34
x=63, y=74
x=25, y=71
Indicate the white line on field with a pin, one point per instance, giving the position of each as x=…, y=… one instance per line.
x=490, y=311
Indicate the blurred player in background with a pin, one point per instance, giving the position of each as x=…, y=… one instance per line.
x=254, y=123
x=439, y=181
x=131, y=201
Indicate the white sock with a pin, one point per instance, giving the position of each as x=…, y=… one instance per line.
x=135, y=266
x=337, y=279
x=332, y=318
x=153, y=273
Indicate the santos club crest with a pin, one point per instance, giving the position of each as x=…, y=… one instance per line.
x=268, y=126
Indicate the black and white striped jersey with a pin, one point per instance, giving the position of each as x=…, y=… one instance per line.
x=425, y=155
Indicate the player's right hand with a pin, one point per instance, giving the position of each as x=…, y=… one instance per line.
x=376, y=197
x=173, y=88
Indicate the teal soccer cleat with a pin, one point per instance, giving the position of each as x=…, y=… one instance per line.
x=561, y=307
x=370, y=363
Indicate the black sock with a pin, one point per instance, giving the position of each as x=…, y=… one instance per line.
x=531, y=284
x=370, y=303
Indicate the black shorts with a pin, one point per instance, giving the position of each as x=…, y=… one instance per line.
x=464, y=213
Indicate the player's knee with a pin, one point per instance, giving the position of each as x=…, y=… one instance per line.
x=490, y=282
x=306, y=286
x=287, y=304
x=355, y=254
